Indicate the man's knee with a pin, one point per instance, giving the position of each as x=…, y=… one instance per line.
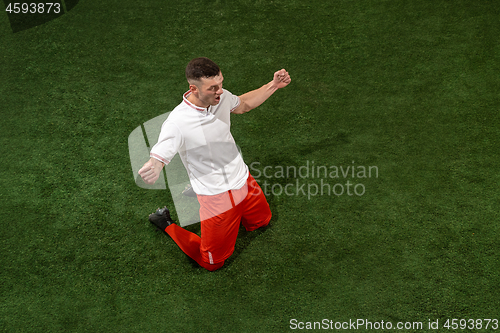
x=213, y=267
x=251, y=226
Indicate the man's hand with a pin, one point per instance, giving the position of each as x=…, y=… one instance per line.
x=150, y=172
x=256, y=97
x=281, y=79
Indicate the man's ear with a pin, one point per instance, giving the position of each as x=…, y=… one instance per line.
x=194, y=89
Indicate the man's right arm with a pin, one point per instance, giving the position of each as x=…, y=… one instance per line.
x=161, y=153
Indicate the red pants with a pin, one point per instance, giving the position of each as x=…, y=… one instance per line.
x=220, y=216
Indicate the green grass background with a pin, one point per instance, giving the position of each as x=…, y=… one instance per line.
x=412, y=87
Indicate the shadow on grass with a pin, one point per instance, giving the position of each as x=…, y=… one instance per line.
x=338, y=139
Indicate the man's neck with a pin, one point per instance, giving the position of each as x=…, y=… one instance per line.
x=195, y=101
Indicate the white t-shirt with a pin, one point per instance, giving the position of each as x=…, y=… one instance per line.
x=205, y=145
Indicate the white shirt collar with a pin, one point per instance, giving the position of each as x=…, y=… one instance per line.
x=205, y=111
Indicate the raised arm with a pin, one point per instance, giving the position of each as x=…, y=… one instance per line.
x=256, y=97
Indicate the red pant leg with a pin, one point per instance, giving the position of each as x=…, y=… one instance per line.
x=190, y=244
x=256, y=211
x=219, y=226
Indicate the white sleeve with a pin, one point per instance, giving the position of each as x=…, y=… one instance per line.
x=233, y=100
x=169, y=142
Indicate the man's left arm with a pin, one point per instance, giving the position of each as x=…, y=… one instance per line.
x=256, y=97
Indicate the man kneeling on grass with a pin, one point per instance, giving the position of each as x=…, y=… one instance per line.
x=199, y=130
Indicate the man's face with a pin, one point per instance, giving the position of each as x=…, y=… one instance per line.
x=210, y=90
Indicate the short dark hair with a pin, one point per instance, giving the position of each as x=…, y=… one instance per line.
x=201, y=67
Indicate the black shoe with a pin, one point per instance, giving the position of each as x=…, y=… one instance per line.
x=161, y=218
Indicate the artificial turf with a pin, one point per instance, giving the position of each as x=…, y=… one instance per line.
x=409, y=87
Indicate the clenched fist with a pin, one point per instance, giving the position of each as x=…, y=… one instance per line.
x=150, y=171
